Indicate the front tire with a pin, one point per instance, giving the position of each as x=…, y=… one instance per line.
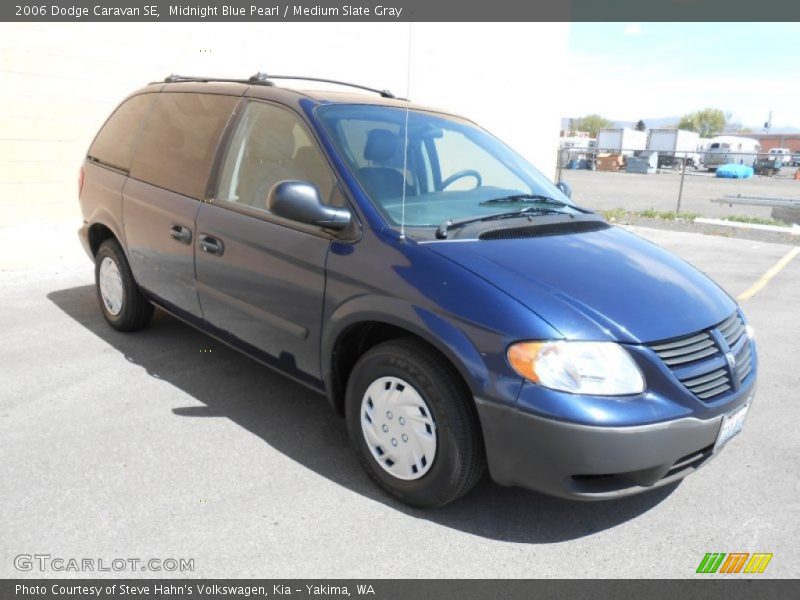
x=121, y=301
x=414, y=424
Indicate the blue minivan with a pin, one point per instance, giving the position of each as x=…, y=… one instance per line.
x=455, y=306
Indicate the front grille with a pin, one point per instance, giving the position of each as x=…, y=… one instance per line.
x=688, y=349
x=732, y=329
x=744, y=362
x=708, y=386
x=699, y=359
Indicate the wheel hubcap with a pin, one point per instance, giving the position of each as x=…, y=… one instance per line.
x=398, y=428
x=110, y=282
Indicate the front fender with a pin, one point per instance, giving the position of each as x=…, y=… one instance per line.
x=475, y=352
x=441, y=333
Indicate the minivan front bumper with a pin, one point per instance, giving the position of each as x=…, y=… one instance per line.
x=583, y=462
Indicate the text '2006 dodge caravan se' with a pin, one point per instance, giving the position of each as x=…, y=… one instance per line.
x=457, y=308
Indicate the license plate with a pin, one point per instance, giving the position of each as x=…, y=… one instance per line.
x=731, y=425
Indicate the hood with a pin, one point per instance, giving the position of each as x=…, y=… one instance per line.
x=601, y=285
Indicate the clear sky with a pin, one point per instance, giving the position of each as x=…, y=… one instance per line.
x=628, y=71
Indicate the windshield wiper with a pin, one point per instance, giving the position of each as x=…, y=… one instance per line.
x=525, y=198
x=441, y=231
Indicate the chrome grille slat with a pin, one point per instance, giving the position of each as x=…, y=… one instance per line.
x=743, y=374
x=704, y=378
x=680, y=343
x=719, y=381
x=729, y=321
x=679, y=360
x=714, y=392
x=744, y=363
x=686, y=349
x=732, y=329
x=744, y=356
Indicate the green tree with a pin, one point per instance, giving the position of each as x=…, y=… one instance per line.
x=592, y=124
x=641, y=126
x=707, y=122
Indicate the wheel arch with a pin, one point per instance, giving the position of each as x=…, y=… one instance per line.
x=102, y=225
x=99, y=233
x=353, y=329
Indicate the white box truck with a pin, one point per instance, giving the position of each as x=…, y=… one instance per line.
x=674, y=143
x=621, y=141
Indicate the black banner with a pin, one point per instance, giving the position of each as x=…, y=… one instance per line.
x=381, y=589
x=400, y=10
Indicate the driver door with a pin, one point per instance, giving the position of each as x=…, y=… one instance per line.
x=260, y=278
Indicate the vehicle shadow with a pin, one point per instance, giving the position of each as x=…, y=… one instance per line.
x=299, y=423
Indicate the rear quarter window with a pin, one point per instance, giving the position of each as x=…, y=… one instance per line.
x=115, y=142
x=179, y=140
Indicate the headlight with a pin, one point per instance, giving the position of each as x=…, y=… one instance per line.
x=597, y=368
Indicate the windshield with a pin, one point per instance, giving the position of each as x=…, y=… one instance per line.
x=453, y=169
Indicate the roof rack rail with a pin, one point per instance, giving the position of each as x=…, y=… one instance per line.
x=174, y=78
x=265, y=79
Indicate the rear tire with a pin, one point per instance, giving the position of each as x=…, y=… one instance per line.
x=400, y=394
x=122, y=303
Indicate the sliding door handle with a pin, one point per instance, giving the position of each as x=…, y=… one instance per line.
x=180, y=233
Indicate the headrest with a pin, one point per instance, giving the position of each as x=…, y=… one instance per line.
x=381, y=145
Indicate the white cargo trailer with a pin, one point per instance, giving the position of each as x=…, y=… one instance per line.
x=727, y=149
x=621, y=141
x=674, y=143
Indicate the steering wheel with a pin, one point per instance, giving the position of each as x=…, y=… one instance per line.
x=460, y=175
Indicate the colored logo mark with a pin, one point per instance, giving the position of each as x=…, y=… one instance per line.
x=734, y=562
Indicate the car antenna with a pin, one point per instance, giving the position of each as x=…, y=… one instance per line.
x=405, y=140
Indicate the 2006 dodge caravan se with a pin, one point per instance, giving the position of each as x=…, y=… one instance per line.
x=457, y=308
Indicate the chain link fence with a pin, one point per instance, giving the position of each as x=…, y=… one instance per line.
x=684, y=185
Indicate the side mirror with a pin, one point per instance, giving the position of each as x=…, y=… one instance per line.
x=300, y=201
x=565, y=188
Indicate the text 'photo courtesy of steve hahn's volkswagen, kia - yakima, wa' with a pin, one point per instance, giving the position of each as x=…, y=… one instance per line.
x=457, y=308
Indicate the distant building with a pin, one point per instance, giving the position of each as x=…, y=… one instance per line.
x=577, y=134
x=776, y=139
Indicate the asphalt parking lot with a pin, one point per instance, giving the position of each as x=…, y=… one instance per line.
x=167, y=444
x=602, y=190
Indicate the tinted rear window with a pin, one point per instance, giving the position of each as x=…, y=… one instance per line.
x=179, y=140
x=114, y=145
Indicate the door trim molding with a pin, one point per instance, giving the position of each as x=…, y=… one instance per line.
x=262, y=315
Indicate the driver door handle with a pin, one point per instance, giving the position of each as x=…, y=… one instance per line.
x=211, y=245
